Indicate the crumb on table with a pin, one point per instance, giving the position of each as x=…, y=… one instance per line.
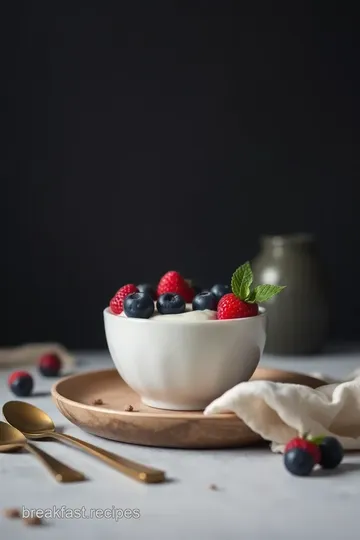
x=213, y=487
x=33, y=520
x=98, y=401
x=11, y=513
x=129, y=408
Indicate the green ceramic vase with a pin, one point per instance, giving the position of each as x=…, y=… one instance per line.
x=298, y=318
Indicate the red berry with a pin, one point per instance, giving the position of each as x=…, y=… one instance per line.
x=21, y=383
x=116, y=303
x=173, y=282
x=49, y=365
x=231, y=307
x=306, y=445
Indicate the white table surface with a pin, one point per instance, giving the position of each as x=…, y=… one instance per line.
x=257, y=499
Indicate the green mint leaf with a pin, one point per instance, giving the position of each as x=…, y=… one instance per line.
x=241, y=281
x=317, y=440
x=262, y=293
x=251, y=297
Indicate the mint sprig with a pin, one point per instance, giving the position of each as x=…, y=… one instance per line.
x=317, y=440
x=263, y=293
x=241, y=282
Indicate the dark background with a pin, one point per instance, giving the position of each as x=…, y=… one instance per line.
x=139, y=137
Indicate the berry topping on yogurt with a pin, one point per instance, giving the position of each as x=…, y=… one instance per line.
x=175, y=297
x=173, y=282
x=244, y=301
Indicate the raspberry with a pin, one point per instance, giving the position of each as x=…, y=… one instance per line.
x=306, y=445
x=173, y=282
x=231, y=307
x=116, y=303
x=49, y=365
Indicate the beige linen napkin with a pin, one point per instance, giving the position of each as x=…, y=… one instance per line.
x=280, y=411
x=30, y=353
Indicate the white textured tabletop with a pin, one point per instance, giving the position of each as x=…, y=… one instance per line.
x=256, y=498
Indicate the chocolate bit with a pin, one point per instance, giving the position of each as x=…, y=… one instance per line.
x=33, y=520
x=11, y=513
x=129, y=408
x=98, y=402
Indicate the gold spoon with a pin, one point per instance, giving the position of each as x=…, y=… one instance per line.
x=12, y=439
x=36, y=424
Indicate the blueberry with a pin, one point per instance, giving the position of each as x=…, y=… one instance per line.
x=21, y=383
x=170, y=304
x=220, y=290
x=147, y=288
x=139, y=305
x=332, y=453
x=299, y=462
x=204, y=300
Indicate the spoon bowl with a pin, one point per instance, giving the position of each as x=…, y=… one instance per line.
x=10, y=438
x=28, y=419
x=36, y=424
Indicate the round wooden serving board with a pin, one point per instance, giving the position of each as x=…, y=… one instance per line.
x=75, y=397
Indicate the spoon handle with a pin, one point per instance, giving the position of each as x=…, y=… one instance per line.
x=60, y=471
x=126, y=466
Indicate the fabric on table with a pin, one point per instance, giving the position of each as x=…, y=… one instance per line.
x=29, y=354
x=281, y=411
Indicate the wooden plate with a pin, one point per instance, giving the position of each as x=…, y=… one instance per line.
x=75, y=396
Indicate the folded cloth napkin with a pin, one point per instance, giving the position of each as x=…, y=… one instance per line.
x=281, y=411
x=29, y=354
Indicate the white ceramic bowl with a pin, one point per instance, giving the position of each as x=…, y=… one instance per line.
x=184, y=365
